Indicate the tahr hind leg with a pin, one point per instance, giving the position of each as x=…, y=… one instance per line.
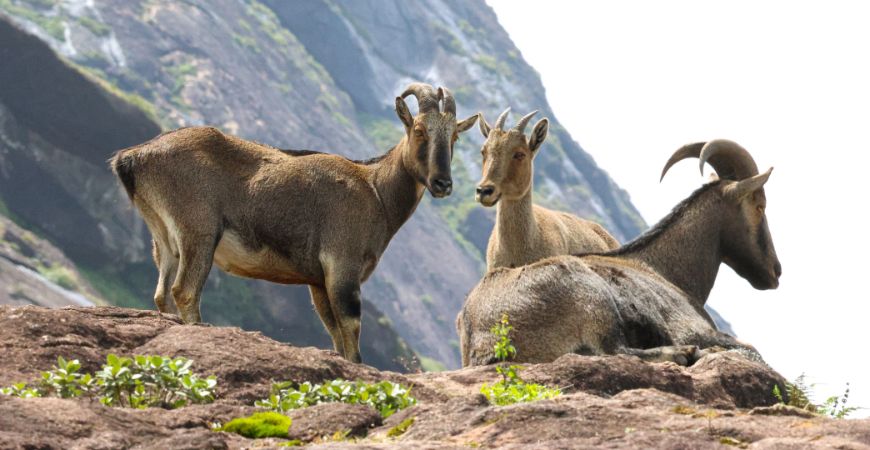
x=195, y=261
x=320, y=298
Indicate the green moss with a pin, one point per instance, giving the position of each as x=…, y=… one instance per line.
x=493, y=65
x=385, y=321
x=260, y=425
x=53, y=25
x=98, y=28
x=247, y=42
x=180, y=74
x=467, y=28
x=432, y=364
x=60, y=276
x=245, y=26
x=383, y=133
x=447, y=39
x=401, y=428
x=341, y=119
x=100, y=78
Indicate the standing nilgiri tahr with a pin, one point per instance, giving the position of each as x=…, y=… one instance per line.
x=291, y=217
x=647, y=297
x=524, y=232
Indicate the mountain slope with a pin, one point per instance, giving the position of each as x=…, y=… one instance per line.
x=319, y=75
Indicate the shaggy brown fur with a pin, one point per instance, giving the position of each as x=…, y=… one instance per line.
x=646, y=298
x=524, y=232
x=289, y=217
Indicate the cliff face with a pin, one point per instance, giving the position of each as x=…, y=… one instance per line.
x=319, y=75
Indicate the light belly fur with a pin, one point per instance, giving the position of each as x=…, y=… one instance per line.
x=234, y=257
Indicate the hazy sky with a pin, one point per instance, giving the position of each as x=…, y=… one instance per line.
x=790, y=81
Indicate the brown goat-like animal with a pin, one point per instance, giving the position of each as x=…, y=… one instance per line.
x=292, y=217
x=645, y=298
x=523, y=232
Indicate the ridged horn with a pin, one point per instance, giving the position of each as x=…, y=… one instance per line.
x=427, y=99
x=499, y=123
x=448, y=102
x=521, y=125
x=730, y=160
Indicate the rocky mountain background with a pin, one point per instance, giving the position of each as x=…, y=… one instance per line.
x=80, y=79
x=722, y=401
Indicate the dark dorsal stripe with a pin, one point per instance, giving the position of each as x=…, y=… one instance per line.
x=304, y=152
x=647, y=238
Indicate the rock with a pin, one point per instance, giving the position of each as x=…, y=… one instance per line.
x=612, y=401
x=781, y=409
x=324, y=420
x=728, y=379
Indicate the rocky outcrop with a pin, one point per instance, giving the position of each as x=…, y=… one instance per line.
x=617, y=402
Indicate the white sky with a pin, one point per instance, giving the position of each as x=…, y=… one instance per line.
x=790, y=81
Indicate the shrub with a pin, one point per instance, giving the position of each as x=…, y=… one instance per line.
x=260, y=425
x=138, y=382
x=511, y=388
x=800, y=394
x=385, y=397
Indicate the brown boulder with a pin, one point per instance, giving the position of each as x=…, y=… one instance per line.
x=327, y=419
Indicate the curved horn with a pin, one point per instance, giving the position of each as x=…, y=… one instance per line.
x=731, y=161
x=427, y=99
x=449, y=103
x=499, y=123
x=521, y=125
x=686, y=151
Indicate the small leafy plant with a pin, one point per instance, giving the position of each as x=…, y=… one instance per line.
x=65, y=381
x=20, y=390
x=259, y=425
x=511, y=388
x=386, y=397
x=800, y=394
x=145, y=381
x=138, y=382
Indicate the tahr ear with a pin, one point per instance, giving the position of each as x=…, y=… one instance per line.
x=463, y=126
x=484, y=127
x=745, y=187
x=404, y=113
x=539, y=134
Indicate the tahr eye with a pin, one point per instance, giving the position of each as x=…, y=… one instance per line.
x=419, y=133
x=519, y=156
